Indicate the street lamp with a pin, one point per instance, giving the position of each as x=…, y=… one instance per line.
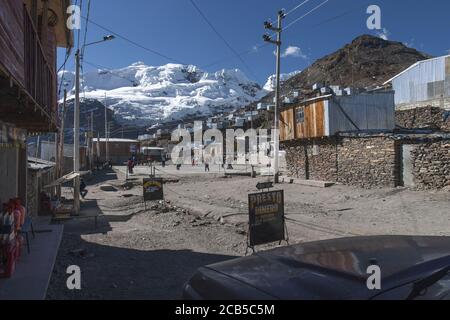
x=76, y=126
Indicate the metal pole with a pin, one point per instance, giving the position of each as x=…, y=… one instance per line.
x=61, y=144
x=277, y=102
x=76, y=135
x=106, y=132
x=91, y=139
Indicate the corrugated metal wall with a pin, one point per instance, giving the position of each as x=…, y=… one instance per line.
x=368, y=111
x=426, y=81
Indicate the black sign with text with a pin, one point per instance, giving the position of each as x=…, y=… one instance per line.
x=266, y=217
x=153, y=189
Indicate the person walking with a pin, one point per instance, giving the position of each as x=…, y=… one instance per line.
x=83, y=190
x=130, y=166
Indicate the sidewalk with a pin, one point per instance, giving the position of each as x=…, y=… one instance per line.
x=33, y=271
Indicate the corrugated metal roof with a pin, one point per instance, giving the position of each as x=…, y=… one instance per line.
x=413, y=66
x=425, y=81
x=117, y=140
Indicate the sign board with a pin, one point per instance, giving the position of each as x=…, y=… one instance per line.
x=153, y=189
x=264, y=185
x=133, y=148
x=266, y=217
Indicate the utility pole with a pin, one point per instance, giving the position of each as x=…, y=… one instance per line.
x=76, y=136
x=61, y=144
x=275, y=135
x=91, y=137
x=106, y=132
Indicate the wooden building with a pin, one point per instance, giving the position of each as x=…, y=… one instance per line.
x=30, y=32
x=120, y=150
x=327, y=115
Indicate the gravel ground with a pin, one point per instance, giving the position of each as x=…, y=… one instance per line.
x=317, y=213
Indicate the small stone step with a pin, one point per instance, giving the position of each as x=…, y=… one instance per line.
x=311, y=183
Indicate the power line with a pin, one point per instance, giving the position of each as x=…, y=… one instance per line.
x=79, y=31
x=109, y=71
x=86, y=27
x=63, y=67
x=222, y=38
x=305, y=15
x=134, y=42
x=257, y=47
x=293, y=9
x=340, y=15
x=84, y=46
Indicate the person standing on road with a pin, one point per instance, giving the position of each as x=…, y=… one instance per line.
x=206, y=165
x=130, y=166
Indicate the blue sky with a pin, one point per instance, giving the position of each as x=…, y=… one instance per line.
x=175, y=29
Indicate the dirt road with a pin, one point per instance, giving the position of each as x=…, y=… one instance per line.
x=150, y=254
x=138, y=254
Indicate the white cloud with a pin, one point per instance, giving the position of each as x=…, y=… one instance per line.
x=293, y=51
x=255, y=48
x=384, y=34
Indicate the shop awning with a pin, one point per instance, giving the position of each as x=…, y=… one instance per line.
x=67, y=178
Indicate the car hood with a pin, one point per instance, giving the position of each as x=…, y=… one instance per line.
x=332, y=269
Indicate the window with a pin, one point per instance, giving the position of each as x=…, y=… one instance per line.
x=300, y=115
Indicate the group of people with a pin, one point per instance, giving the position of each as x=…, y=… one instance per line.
x=12, y=219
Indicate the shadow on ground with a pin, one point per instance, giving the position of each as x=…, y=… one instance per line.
x=122, y=273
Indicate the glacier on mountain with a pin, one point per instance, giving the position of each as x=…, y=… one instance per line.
x=143, y=94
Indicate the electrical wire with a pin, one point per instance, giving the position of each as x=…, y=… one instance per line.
x=305, y=15
x=298, y=6
x=68, y=51
x=257, y=47
x=109, y=71
x=79, y=31
x=133, y=42
x=265, y=43
x=86, y=28
x=223, y=39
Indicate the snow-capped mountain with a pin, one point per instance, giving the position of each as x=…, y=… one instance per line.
x=141, y=94
x=272, y=80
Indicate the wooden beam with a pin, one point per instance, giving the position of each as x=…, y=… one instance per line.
x=44, y=26
x=34, y=12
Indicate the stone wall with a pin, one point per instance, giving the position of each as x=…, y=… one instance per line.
x=431, y=165
x=425, y=117
x=367, y=162
x=312, y=159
